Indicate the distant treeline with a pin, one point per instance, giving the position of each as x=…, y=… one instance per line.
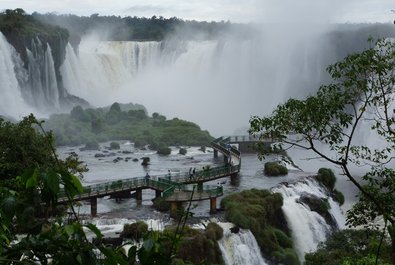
x=142, y=28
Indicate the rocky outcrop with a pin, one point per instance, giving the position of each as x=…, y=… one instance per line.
x=318, y=205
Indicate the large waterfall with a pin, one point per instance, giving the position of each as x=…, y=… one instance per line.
x=230, y=77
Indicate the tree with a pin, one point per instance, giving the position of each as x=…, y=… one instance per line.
x=330, y=124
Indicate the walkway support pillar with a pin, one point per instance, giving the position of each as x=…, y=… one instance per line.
x=215, y=153
x=225, y=159
x=139, y=194
x=93, y=206
x=213, y=205
x=158, y=194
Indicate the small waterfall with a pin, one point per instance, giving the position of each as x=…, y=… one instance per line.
x=240, y=248
x=308, y=227
x=11, y=101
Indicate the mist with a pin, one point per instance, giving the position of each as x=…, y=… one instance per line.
x=217, y=84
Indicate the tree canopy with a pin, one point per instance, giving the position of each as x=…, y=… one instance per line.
x=332, y=122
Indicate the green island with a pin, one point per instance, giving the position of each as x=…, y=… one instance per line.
x=124, y=122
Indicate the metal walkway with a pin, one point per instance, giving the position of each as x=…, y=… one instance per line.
x=175, y=188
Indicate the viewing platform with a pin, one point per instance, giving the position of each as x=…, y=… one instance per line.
x=175, y=188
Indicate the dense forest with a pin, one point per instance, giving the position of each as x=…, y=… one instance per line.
x=144, y=29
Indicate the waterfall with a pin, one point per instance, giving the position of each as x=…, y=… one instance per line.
x=240, y=248
x=175, y=77
x=11, y=101
x=308, y=227
x=42, y=82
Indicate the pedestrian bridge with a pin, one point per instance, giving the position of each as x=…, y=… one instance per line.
x=174, y=188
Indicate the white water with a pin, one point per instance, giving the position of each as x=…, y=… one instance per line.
x=240, y=248
x=11, y=101
x=176, y=78
x=308, y=227
x=31, y=90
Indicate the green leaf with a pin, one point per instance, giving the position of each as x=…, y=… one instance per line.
x=77, y=183
x=69, y=229
x=33, y=179
x=51, y=180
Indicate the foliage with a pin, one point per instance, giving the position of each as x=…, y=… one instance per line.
x=349, y=247
x=124, y=122
x=330, y=123
x=327, y=178
x=164, y=150
x=182, y=151
x=26, y=208
x=135, y=230
x=338, y=196
x=275, y=169
x=144, y=29
x=214, y=231
x=91, y=145
x=115, y=146
x=260, y=211
x=22, y=147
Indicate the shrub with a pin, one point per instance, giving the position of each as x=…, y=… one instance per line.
x=135, y=230
x=164, y=150
x=327, y=178
x=182, y=151
x=115, y=146
x=91, y=145
x=338, y=196
x=214, y=231
x=275, y=169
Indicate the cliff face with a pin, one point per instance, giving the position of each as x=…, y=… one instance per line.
x=42, y=49
x=21, y=30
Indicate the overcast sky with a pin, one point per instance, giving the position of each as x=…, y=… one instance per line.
x=215, y=10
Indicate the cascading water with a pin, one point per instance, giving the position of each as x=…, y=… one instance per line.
x=239, y=248
x=308, y=227
x=11, y=101
x=32, y=89
x=42, y=82
x=176, y=77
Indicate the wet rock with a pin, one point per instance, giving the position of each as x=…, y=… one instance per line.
x=235, y=229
